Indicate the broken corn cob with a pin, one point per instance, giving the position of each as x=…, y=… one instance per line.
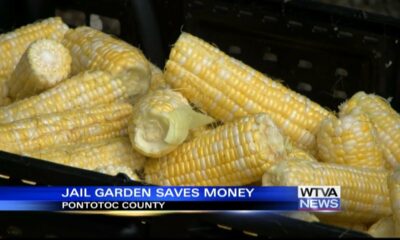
x=95, y=50
x=364, y=192
x=13, y=44
x=109, y=156
x=394, y=189
x=162, y=121
x=84, y=90
x=384, y=118
x=75, y=126
x=44, y=64
x=226, y=88
x=235, y=153
x=350, y=140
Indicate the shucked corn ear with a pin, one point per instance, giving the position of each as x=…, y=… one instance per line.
x=394, y=189
x=162, y=121
x=364, y=192
x=44, y=64
x=13, y=44
x=235, y=153
x=69, y=127
x=383, y=228
x=84, y=90
x=350, y=140
x=226, y=88
x=95, y=50
x=384, y=118
x=108, y=156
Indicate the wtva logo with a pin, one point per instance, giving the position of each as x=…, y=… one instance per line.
x=319, y=198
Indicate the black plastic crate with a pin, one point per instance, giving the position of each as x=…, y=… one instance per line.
x=322, y=51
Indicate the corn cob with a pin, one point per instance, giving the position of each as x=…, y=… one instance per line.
x=108, y=156
x=236, y=153
x=157, y=78
x=384, y=118
x=95, y=50
x=161, y=122
x=383, y=228
x=350, y=140
x=394, y=189
x=44, y=64
x=226, y=88
x=364, y=192
x=84, y=90
x=75, y=126
x=13, y=44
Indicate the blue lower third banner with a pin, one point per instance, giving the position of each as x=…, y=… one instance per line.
x=306, y=198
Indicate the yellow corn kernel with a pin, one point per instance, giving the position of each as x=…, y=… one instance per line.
x=44, y=64
x=235, y=153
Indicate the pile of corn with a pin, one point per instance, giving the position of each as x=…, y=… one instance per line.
x=83, y=98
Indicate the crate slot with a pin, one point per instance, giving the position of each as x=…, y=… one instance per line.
x=105, y=24
x=28, y=182
x=269, y=19
x=370, y=39
x=198, y=2
x=96, y=22
x=304, y=64
x=339, y=94
x=292, y=23
x=319, y=29
x=4, y=176
x=221, y=9
x=246, y=13
x=224, y=227
x=305, y=87
x=72, y=17
x=342, y=34
x=233, y=49
x=252, y=234
x=341, y=72
x=271, y=57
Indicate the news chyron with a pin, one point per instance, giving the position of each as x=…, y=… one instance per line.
x=319, y=198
